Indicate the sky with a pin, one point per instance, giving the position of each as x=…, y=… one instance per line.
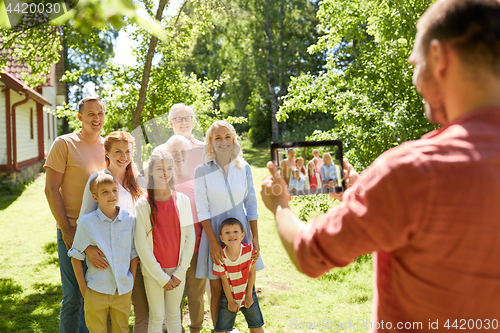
x=123, y=45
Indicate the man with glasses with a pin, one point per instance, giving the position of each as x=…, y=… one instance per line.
x=181, y=118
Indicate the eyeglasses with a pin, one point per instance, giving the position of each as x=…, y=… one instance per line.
x=179, y=120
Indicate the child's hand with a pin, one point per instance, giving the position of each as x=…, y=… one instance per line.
x=169, y=285
x=83, y=290
x=233, y=306
x=248, y=301
x=175, y=281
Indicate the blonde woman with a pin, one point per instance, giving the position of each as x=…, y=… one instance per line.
x=328, y=171
x=223, y=188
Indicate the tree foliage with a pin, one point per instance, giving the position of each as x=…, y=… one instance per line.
x=86, y=59
x=255, y=47
x=38, y=48
x=166, y=84
x=38, y=35
x=368, y=82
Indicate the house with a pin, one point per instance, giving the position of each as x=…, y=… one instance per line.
x=28, y=125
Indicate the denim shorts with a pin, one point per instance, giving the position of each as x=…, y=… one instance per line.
x=226, y=318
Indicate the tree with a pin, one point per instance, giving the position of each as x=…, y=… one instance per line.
x=137, y=94
x=86, y=59
x=254, y=47
x=37, y=35
x=368, y=83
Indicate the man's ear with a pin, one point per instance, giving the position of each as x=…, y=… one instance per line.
x=243, y=233
x=220, y=236
x=439, y=54
x=94, y=197
x=79, y=115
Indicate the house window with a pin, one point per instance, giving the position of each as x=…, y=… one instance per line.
x=31, y=124
x=48, y=124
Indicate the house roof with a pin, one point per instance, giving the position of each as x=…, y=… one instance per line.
x=18, y=85
x=16, y=66
x=13, y=78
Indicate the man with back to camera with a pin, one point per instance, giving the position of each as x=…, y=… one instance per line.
x=72, y=159
x=436, y=239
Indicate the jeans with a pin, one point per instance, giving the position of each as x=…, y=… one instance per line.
x=226, y=318
x=72, y=313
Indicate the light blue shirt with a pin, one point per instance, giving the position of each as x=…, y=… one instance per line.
x=328, y=172
x=115, y=238
x=297, y=184
x=218, y=197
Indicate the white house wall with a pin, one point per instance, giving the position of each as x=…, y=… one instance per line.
x=27, y=148
x=3, y=128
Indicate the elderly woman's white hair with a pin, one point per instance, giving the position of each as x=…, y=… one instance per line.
x=178, y=107
x=236, y=153
x=178, y=138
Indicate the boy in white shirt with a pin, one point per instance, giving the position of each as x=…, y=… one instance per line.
x=238, y=278
x=111, y=229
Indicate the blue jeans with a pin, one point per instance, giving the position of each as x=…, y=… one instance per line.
x=226, y=318
x=72, y=313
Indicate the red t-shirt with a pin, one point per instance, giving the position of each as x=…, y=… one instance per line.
x=167, y=233
x=313, y=182
x=237, y=271
x=429, y=208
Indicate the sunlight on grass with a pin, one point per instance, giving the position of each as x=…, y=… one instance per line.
x=30, y=287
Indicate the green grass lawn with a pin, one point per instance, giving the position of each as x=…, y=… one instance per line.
x=30, y=289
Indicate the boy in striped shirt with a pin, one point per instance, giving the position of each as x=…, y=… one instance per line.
x=238, y=278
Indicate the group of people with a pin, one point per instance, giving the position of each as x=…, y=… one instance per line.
x=150, y=239
x=434, y=242
x=319, y=173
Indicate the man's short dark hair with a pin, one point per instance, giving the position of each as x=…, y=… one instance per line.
x=228, y=222
x=89, y=99
x=471, y=27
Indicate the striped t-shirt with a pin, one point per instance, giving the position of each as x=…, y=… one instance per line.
x=237, y=271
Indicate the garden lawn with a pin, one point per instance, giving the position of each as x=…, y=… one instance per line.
x=30, y=289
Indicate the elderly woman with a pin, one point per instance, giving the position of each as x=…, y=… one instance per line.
x=224, y=188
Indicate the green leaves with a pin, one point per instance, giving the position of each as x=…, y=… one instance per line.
x=38, y=48
x=368, y=83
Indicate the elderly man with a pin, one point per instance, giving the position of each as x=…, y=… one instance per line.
x=71, y=160
x=188, y=154
x=436, y=239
